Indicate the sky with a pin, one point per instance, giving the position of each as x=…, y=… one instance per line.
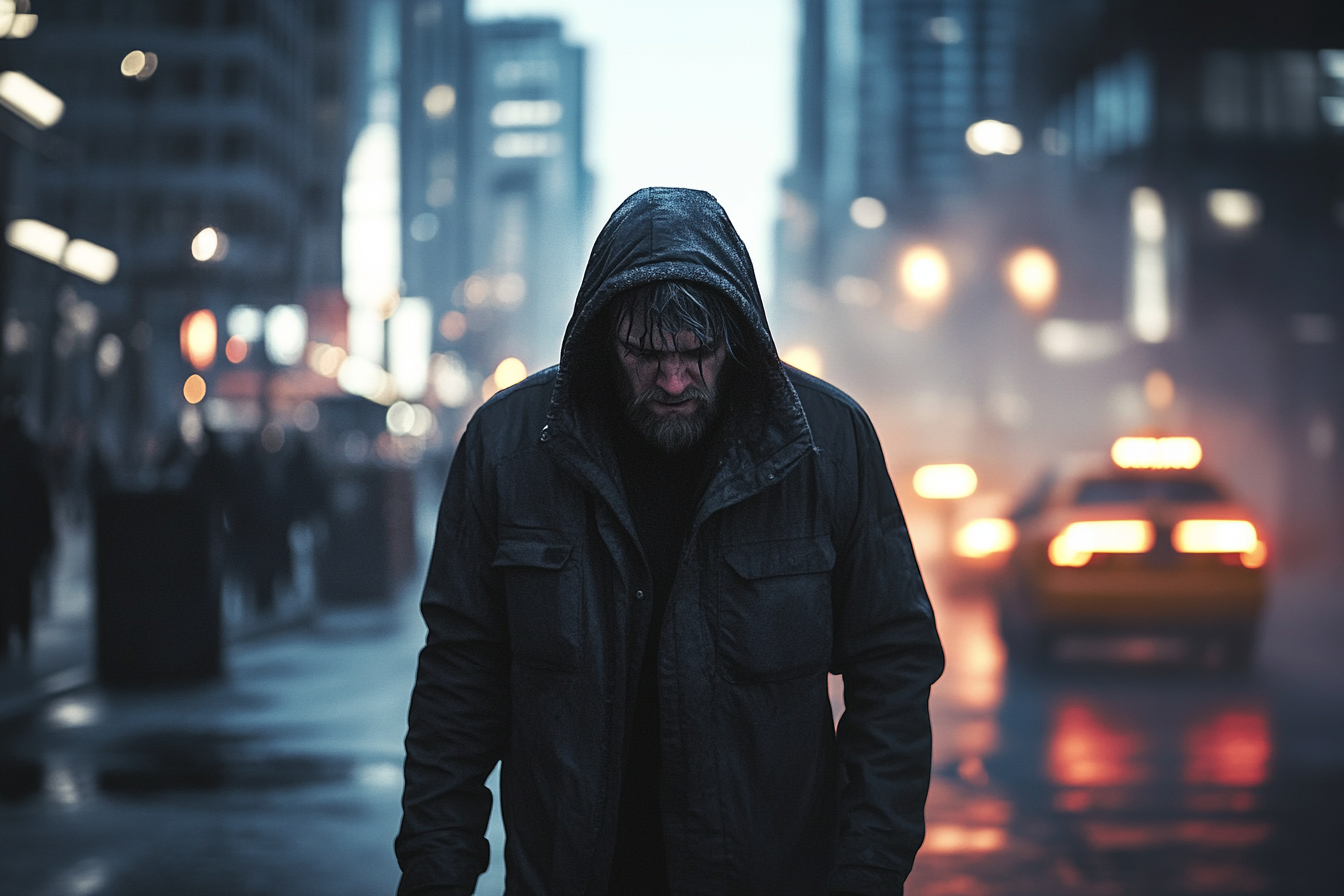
x=692, y=93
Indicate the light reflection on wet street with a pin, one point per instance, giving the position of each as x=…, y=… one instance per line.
x=285, y=778
x=1117, y=780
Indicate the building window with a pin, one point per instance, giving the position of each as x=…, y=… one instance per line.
x=182, y=148
x=182, y=13
x=238, y=147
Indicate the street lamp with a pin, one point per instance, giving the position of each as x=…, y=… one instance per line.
x=1032, y=277
x=199, y=338
x=924, y=275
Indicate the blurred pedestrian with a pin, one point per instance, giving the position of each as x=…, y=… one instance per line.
x=258, y=523
x=648, y=559
x=25, y=529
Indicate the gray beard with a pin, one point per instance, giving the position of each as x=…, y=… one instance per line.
x=674, y=433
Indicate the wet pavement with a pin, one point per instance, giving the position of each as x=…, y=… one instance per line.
x=284, y=777
x=1138, y=778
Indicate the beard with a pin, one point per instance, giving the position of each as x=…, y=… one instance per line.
x=675, y=432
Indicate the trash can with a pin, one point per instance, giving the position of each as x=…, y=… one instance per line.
x=158, y=588
x=370, y=538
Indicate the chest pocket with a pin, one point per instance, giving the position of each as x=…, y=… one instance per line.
x=542, y=584
x=775, y=609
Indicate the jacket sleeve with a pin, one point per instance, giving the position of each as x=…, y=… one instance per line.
x=887, y=649
x=460, y=706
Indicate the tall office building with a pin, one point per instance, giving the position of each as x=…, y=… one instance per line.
x=886, y=93
x=178, y=117
x=1208, y=154
x=434, y=109
x=528, y=192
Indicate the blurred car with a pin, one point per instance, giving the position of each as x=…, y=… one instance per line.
x=1144, y=559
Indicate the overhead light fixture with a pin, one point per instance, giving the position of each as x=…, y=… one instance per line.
x=52, y=244
x=37, y=238
x=90, y=261
x=29, y=100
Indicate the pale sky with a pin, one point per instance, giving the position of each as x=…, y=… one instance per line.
x=691, y=93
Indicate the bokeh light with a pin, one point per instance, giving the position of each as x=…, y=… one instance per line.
x=867, y=212
x=1032, y=277
x=235, y=349
x=509, y=372
x=924, y=275
x=199, y=338
x=945, y=481
x=210, y=244
x=805, y=357
x=193, y=390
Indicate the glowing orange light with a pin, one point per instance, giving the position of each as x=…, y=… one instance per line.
x=980, y=538
x=1214, y=537
x=1256, y=556
x=805, y=357
x=1079, y=541
x=946, y=839
x=1232, y=750
x=945, y=481
x=509, y=371
x=193, y=390
x=924, y=275
x=1033, y=277
x=1085, y=751
x=1146, y=453
x=200, y=337
x=235, y=349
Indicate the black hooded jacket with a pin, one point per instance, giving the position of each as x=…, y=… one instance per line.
x=798, y=562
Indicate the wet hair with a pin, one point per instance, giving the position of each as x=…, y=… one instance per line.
x=675, y=306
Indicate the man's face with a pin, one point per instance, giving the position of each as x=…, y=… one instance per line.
x=670, y=385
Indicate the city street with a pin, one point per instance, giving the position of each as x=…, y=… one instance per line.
x=285, y=776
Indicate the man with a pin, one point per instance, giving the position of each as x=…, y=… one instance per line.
x=647, y=560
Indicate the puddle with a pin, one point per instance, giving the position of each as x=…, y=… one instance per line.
x=164, y=762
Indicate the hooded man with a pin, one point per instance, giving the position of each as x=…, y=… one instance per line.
x=647, y=560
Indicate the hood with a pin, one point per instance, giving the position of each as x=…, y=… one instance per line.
x=672, y=233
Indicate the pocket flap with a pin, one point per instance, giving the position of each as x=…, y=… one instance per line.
x=537, y=549
x=784, y=557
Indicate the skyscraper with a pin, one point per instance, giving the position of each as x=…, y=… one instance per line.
x=886, y=93
x=528, y=190
x=180, y=116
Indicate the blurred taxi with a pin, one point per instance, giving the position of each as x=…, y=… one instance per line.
x=1145, y=558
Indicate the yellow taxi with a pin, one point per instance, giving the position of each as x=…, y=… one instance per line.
x=1147, y=558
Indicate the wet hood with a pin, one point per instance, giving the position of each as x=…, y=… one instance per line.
x=672, y=233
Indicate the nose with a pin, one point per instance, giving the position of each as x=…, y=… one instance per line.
x=674, y=375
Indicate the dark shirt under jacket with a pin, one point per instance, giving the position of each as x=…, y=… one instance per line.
x=663, y=492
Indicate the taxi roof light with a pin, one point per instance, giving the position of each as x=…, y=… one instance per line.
x=1148, y=453
x=945, y=481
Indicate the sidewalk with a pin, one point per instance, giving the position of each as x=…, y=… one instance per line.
x=63, y=625
x=62, y=651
